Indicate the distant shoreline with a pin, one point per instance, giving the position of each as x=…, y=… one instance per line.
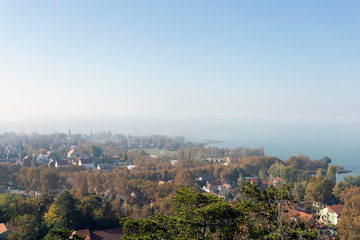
x=343, y=171
x=213, y=141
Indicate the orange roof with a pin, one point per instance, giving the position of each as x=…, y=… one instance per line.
x=303, y=216
x=336, y=209
x=70, y=152
x=2, y=228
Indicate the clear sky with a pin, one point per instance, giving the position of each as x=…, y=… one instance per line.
x=205, y=63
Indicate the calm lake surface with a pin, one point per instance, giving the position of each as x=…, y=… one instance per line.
x=346, y=155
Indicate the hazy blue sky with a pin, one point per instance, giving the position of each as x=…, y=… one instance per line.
x=262, y=69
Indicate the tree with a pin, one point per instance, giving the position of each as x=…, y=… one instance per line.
x=349, y=225
x=266, y=215
x=196, y=216
x=348, y=192
x=253, y=164
x=353, y=180
x=331, y=174
x=274, y=170
x=96, y=151
x=159, y=227
x=97, y=214
x=319, y=173
x=188, y=155
x=64, y=213
x=319, y=189
x=340, y=188
x=325, y=160
x=293, y=175
x=241, y=182
x=203, y=214
x=200, y=153
x=26, y=226
x=62, y=234
x=49, y=180
x=299, y=190
x=262, y=174
x=184, y=178
x=181, y=154
x=125, y=158
x=230, y=173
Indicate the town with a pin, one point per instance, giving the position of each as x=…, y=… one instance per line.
x=107, y=178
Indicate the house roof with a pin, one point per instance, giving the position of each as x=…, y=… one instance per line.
x=63, y=163
x=86, y=161
x=265, y=182
x=70, y=152
x=2, y=228
x=215, y=182
x=224, y=192
x=278, y=179
x=48, y=153
x=208, y=177
x=107, y=166
x=109, y=234
x=303, y=216
x=85, y=232
x=336, y=209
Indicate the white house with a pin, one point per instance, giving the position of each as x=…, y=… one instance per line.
x=331, y=214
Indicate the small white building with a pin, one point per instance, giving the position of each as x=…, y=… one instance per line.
x=331, y=214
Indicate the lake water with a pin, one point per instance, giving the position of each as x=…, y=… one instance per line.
x=346, y=155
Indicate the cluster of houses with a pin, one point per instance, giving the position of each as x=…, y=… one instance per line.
x=74, y=158
x=224, y=160
x=324, y=216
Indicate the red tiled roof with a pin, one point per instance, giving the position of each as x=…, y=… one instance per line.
x=303, y=216
x=109, y=234
x=2, y=228
x=336, y=209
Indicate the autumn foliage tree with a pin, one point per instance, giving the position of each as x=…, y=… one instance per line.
x=349, y=225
